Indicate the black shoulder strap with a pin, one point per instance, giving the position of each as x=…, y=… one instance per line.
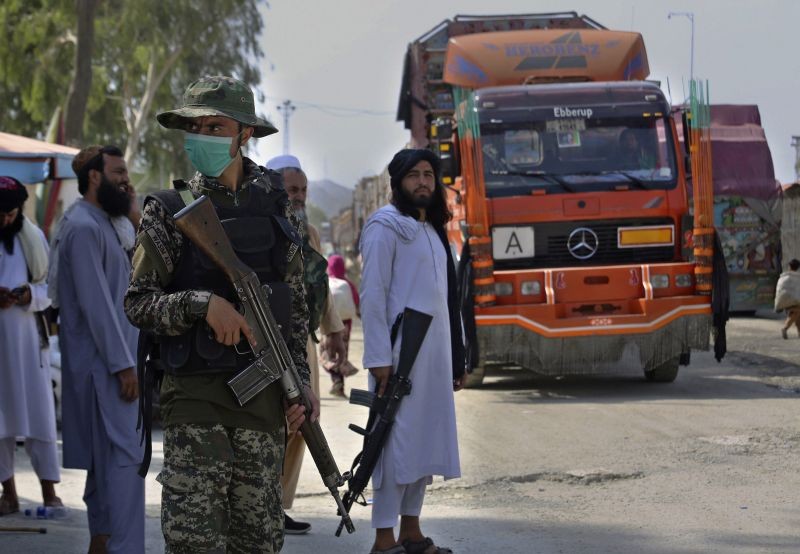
x=171, y=199
x=275, y=178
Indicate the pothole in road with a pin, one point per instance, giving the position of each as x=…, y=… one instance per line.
x=761, y=442
x=729, y=440
x=572, y=477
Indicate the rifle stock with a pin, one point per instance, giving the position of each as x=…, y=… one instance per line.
x=200, y=223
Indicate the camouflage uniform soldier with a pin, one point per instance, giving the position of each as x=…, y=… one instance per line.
x=222, y=462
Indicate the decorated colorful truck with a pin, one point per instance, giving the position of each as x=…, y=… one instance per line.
x=568, y=186
x=747, y=204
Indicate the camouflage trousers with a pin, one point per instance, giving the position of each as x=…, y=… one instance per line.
x=221, y=490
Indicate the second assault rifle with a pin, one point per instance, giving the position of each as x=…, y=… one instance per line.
x=200, y=223
x=384, y=408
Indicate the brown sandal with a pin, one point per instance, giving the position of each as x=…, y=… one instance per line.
x=423, y=546
x=396, y=549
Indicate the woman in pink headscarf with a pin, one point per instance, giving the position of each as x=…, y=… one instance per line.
x=345, y=298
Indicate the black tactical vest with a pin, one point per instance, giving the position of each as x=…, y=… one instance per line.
x=261, y=237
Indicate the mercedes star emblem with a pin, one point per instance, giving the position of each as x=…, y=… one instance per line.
x=583, y=243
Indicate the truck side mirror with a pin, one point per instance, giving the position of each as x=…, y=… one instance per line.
x=442, y=129
x=448, y=165
x=686, y=120
x=449, y=170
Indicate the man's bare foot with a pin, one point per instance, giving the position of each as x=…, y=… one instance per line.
x=54, y=502
x=49, y=494
x=98, y=544
x=8, y=505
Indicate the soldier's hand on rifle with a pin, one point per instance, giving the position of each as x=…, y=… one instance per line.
x=296, y=413
x=295, y=416
x=227, y=323
x=381, y=375
x=334, y=348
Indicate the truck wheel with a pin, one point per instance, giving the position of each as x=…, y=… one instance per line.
x=475, y=379
x=664, y=373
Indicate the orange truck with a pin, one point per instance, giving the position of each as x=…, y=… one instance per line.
x=569, y=193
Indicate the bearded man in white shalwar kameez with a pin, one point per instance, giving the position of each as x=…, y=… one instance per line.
x=407, y=263
x=26, y=394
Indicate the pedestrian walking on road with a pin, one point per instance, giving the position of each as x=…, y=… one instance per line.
x=26, y=395
x=222, y=461
x=98, y=354
x=787, y=297
x=407, y=264
x=345, y=299
x=322, y=315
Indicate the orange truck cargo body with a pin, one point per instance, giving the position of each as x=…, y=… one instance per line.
x=574, y=168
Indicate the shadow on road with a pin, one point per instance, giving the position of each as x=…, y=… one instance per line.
x=479, y=535
x=740, y=376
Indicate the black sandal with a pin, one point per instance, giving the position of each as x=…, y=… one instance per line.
x=421, y=547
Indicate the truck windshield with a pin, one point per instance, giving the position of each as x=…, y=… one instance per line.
x=577, y=154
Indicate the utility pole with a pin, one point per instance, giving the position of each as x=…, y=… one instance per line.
x=796, y=144
x=690, y=16
x=287, y=108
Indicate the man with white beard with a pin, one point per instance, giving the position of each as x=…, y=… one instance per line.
x=322, y=314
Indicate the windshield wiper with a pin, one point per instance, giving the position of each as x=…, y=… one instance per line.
x=630, y=178
x=552, y=178
x=555, y=178
x=633, y=179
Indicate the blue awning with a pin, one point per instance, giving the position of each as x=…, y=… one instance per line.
x=33, y=161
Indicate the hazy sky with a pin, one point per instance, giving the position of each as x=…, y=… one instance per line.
x=349, y=53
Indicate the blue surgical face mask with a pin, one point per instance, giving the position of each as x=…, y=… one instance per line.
x=209, y=155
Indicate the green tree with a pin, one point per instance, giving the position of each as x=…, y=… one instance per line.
x=36, y=55
x=145, y=53
x=81, y=85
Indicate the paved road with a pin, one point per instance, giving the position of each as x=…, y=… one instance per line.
x=574, y=465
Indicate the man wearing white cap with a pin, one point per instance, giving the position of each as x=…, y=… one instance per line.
x=321, y=313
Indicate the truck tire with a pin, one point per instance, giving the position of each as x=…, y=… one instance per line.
x=664, y=373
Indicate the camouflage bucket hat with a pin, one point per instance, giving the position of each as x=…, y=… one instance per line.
x=219, y=95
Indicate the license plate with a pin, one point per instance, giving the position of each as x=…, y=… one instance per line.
x=510, y=243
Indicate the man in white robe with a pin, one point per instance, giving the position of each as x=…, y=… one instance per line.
x=98, y=354
x=406, y=264
x=26, y=394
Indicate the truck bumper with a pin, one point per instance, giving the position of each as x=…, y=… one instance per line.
x=576, y=330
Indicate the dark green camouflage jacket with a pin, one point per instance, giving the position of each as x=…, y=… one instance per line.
x=158, y=249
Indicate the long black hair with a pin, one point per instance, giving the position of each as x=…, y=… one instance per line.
x=437, y=212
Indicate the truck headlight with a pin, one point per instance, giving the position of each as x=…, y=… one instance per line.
x=503, y=289
x=530, y=288
x=659, y=281
x=683, y=280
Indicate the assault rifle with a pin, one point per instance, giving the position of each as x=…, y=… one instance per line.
x=384, y=408
x=200, y=223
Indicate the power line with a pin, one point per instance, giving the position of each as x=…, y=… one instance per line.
x=337, y=111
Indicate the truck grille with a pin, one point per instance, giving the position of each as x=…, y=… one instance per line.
x=551, y=239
